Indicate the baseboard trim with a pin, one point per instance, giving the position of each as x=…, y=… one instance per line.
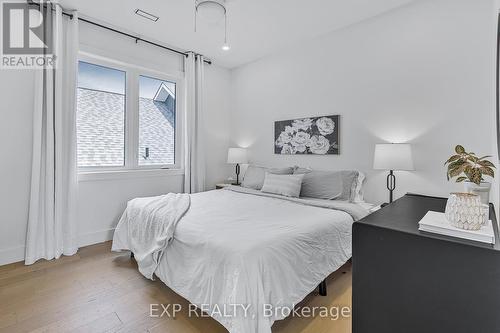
x=12, y=255
x=16, y=254
x=96, y=237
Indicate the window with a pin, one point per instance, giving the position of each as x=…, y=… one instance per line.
x=126, y=117
x=156, y=121
x=100, y=116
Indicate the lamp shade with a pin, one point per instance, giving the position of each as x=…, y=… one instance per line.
x=237, y=156
x=393, y=156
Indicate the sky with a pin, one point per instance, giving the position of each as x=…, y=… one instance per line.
x=96, y=77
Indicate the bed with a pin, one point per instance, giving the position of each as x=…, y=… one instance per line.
x=239, y=250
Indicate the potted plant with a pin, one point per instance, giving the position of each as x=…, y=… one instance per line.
x=470, y=169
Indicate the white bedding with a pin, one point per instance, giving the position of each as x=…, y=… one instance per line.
x=238, y=246
x=150, y=224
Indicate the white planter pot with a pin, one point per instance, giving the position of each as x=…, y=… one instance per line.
x=465, y=211
x=482, y=190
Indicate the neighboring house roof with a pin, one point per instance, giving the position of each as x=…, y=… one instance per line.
x=101, y=134
x=163, y=93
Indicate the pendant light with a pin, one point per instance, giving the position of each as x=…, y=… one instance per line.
x=212, y=11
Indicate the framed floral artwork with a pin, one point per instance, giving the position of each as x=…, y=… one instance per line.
x=313, y=135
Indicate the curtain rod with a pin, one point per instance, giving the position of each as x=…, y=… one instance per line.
x=137, y=38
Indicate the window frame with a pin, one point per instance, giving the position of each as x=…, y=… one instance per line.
x=131, y=154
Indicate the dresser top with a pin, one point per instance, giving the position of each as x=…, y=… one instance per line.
x=404, y=214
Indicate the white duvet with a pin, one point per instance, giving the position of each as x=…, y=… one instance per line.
x=242, y=255
x=147, y=227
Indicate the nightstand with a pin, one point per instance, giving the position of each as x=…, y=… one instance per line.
x=222, y=185
x=406, y=280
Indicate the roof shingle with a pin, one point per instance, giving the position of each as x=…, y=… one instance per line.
x=101, y=133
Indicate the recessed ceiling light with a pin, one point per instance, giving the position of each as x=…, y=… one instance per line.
x=147, y=15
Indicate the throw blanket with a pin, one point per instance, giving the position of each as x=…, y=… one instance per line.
x=150, y=224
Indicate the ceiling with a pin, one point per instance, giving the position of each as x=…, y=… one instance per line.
x=256, y=28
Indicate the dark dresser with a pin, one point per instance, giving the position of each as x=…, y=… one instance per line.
x=408, y=281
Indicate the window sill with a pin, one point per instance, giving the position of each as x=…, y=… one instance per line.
x=87, y=176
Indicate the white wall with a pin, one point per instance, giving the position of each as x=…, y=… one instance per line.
x=101, y=202
x=423, y=74
x=217, y=124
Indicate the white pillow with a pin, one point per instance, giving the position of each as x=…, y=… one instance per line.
x=287, y=185
x=254, y=176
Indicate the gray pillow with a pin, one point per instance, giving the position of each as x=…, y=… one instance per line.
x=340, y=185
x=254, y=176
x=287, y=185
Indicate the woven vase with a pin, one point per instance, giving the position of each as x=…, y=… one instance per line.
x=465, y=211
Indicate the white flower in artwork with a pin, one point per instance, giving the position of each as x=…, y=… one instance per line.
x=288, y=150
x=300, y=141
x=283, y=139
x=325, y=125
x=319, y=145
x=302, y=124
x=290, y=130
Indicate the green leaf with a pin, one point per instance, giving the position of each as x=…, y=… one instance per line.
x=456, y=164
x=474, y=159
x=488, y=172
x=476, y=176
x=456, y=168
x=469, y=173
x=461, y=179
x=459, y=149
x=452, y=159
x=454, y=172
x=486, y=163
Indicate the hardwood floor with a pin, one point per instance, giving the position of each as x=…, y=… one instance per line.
x=97, y=290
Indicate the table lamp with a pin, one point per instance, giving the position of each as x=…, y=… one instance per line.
x=237, y=156
x=392, y=156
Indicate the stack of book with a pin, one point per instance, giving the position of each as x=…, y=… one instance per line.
x=437, y=223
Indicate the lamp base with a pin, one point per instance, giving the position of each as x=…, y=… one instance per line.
x=237, y=174
x=391, y=184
